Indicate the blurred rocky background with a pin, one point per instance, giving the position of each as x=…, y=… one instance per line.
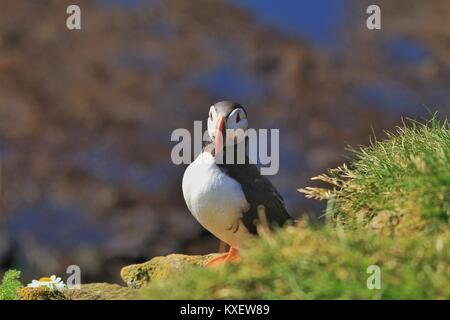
x=86, y=116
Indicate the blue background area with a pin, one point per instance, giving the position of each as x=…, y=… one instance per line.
x=316, y=20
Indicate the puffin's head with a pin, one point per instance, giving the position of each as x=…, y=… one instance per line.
x=227, y=124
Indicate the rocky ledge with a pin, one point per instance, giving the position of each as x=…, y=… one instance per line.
x=135, y=276
x=139, y=275
x=91, y=291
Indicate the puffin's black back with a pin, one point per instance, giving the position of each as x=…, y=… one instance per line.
x=258, y=190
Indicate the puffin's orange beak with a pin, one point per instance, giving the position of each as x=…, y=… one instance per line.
x=219, y=135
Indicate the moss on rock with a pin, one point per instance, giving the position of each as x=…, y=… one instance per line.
x=98, y=291
x=91, y=291
x=41, y=293
x=138, y=275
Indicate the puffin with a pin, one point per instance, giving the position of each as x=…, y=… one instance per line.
x=227, y=196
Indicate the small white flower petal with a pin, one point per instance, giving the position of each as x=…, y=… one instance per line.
x=60, y=287
x=34, y=284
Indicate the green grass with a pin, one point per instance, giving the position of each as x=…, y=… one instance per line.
x=304, y=263
x=393, y=204
x=10, y=284
x=399, y=184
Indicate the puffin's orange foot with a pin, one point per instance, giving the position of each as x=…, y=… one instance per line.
x=217, y=260
x=230, y=256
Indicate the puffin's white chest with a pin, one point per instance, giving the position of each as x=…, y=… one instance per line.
x=214, y=199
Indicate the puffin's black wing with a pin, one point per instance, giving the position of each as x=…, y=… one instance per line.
x=258, y=190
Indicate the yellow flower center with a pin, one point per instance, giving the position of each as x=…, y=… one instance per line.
x=45, y=279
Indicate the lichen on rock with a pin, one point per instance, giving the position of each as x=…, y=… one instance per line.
x=136, y=276
x=98, y=291
x=139, y=275
x=41, y=293
x=91, y=291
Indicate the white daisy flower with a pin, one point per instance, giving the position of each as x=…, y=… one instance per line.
x=53, y=283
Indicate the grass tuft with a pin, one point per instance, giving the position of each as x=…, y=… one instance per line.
x=398, y=184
